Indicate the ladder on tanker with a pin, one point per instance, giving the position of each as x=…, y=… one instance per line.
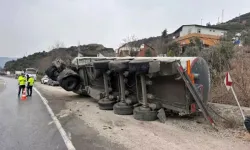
x=193, y=90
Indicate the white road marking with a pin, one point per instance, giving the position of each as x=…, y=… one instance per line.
x=69, y=135
x=50, y=123
x=66, y=139
x=3, y=82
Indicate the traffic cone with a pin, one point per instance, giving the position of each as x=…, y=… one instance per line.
x=24, y=97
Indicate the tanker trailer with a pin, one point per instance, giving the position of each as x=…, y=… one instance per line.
x=136, y=85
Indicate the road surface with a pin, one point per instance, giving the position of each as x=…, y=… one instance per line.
x=25, y=125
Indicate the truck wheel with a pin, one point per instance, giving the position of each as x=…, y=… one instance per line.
x=69, y=83
x=123, y=109
x=247, y=123
x=144, y=114
x=105, y=104
x=52, y=73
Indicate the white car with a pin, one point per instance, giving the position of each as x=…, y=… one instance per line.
x=45, y=80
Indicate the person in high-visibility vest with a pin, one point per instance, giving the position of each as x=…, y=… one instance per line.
x=21, y=83
x=31, y=82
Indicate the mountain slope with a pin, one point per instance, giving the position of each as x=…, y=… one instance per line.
x=42, y=60
x=237, y=24
x=3, y=60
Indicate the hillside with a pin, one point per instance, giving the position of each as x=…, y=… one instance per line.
x=41, y=60
x=3, y=60
x=238, y=24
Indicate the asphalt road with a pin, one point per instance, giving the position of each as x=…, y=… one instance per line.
x=25, y=125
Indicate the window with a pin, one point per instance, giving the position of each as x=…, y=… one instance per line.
x=213, y=30
x=31, y=71
x=198, y=30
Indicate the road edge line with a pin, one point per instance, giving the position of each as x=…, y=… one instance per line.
x=66, y=139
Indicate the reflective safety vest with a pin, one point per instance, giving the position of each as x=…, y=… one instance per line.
x=31, y=81
x=21, y=80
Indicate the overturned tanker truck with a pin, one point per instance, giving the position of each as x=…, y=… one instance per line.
x=138, y=85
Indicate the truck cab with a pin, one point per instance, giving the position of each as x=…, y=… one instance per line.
x=32, y=72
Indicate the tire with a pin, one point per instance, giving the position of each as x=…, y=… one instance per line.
x=102, y=65
x=105, y=104
x=69, y=83
x=69, y=80
x=52, y=73
x=119, y=65
x=144, y=115
x=247, y=123
x=123, y=109
x=59, y=64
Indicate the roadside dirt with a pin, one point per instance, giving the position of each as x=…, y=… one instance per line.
x=2, y=85
x=124, y=132
x=82, y=136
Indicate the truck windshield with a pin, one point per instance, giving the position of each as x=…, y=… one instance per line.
x=31, y=71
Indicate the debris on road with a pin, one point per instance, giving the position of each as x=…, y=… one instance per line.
x=161, y=115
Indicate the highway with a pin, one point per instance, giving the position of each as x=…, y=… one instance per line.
x=25, y=125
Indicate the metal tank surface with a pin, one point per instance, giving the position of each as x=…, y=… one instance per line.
x=135, y=85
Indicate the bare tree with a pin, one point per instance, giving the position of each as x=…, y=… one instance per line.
x=129, y=39
x=129, y=43
x=58, y=44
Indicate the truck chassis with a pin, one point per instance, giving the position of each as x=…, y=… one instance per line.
x=136, y=85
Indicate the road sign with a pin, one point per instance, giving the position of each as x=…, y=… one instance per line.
x=228, y=81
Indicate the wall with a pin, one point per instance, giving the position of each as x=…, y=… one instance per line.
x=208, y=40
x=194, y=29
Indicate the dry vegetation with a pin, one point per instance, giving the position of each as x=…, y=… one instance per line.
x=240, y=73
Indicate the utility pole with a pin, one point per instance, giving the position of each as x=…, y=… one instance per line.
x=201, y=21
x=239, y=17
x=222, y=15
x=78, y=50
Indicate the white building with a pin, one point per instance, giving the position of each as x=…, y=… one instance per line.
x=125, y=50
x=193, y=28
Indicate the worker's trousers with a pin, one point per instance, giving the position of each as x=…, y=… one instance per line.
x=29, y=90
x=21, y=88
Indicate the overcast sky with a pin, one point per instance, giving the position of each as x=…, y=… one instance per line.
x=28, y=26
